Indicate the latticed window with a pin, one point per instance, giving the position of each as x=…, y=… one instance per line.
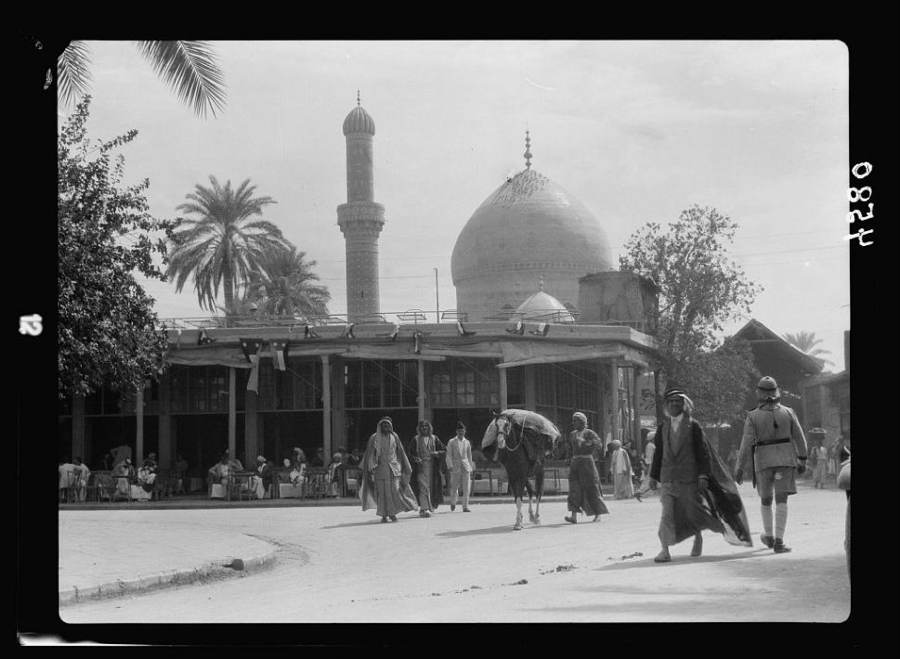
x=371, y=385
x=400, y=383
x=515, y=387
x=441, y=389
x=353, y=384
x=178, y=388
x=302, y=385
x=545, y=389
x=465, y=386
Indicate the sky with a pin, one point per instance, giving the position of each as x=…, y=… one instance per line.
x=637, y=131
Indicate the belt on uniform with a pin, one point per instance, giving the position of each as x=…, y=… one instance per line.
x=764, y=442
x=769, y=442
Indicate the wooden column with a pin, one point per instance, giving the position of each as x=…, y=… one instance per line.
x=614, y=400
x=635, y=402
x=164, y=433
x=601, y=409
x=251, y=421
x=503, y=390
x=78, y=442
x=338, y=410
x=326, y=405
x=232, y=411
x=420, y=397
x=139, y=429
x=530, y=386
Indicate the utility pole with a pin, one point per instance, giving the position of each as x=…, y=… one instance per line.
x=437, y=302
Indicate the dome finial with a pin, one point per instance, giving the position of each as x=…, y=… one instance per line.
x=527, y=153
x=541, y=283
x=357, y=98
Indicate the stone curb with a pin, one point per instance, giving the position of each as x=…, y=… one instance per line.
x=167, y=578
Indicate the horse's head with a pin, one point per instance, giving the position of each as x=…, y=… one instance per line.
x=504, y=428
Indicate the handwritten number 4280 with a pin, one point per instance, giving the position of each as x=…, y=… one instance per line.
x=861, y=195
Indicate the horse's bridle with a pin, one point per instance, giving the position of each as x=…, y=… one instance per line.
x=507, y=435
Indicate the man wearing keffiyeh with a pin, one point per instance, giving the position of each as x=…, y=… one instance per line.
x=681, y=466
x=386, y=474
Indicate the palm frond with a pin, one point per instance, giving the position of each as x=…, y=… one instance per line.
x=73, y=73
x=190, y=69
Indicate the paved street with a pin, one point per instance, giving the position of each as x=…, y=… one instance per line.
x=338, y=564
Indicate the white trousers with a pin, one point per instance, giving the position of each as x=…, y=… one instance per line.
x=460, y=479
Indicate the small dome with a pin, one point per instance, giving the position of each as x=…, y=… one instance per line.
x=359, y=121
x=544, y=306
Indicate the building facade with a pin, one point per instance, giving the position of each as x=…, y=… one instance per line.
x=321, y=385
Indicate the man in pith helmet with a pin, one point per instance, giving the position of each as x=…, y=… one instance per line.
x=776, y=446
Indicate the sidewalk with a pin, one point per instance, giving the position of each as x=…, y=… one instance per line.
x=118, y=557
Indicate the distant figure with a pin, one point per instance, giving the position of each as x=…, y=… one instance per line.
x=460, y=465
x=820, y=454
x=319, y=460
x=146, y=477
x=426, y=454
x=106, y=462
x=584, y=481
x=66, y=477
x=120, y=453
x=181, y=467
x=83, y=474
x=731, y=460
x=620, y=469
x=355, y=457
x=333, y=479
x=259, y=483
x=647, y=485
x=218, y=473
x=124, y=475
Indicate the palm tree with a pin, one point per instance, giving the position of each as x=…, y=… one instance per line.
x=284, y=286
x=224, y=245
x=806, y=342
x=189, y=67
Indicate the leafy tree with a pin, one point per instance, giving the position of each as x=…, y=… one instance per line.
x=285, y=286
x=107, y=330
x=807, y=342
x=189, y=67
x=717, y=380
x=224, y=245
x=700, y=290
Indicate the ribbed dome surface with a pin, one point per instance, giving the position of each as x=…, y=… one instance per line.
x=359, y=121
x=527, y=228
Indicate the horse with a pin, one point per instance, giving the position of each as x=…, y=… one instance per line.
x=521, y=451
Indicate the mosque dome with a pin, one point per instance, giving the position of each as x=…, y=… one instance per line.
x=359, y=121
x=528, y=229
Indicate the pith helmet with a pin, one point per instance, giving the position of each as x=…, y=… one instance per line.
x=767, y=384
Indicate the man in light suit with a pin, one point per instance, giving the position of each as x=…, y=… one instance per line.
x=461, y=465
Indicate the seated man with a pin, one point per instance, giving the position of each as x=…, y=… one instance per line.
x=66, y=478
x=335, y=475
x=259, y=484
x=146, y=477
x=218, y=473
x=82, y=470
x=124, y=474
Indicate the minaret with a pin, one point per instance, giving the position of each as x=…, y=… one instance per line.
x=361, y=219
